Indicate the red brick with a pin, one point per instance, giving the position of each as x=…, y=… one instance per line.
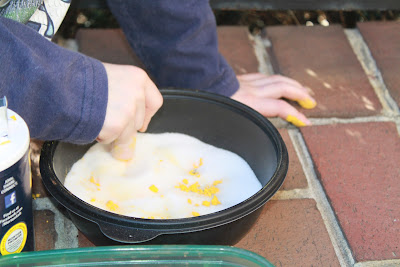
x=322, y=59
x=110, y=45
x=45, y=233
x=358, y=165
x=295, y=177
x=383, y=40
x=236, y=47
x=291, y=233
x=107, y=45
x=83, y=241
x=38, y=189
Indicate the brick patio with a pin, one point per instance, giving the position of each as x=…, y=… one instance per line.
x=340, y=203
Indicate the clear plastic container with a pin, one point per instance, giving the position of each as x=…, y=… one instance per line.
x=151, y=255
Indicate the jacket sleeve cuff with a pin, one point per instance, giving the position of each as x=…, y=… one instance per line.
x=93, y=109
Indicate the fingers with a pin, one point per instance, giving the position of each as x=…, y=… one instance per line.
x=262, y=79
x=154, y=101
x=123, y=147
x=133, y=99
x=282, y=109
x=277, y=86
x=264, y=94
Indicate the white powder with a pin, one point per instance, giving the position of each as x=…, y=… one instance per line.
x=155, y=182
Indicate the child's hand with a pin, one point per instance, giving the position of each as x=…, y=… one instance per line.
x=133, y=99
x=263, y=93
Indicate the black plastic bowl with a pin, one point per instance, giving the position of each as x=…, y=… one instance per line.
x=214, y=119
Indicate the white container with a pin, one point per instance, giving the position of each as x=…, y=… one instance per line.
x=16, y=220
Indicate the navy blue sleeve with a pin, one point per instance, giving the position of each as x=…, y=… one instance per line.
x=62, y=95
x=177, y=42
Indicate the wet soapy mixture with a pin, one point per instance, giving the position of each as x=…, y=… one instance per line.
x=171, y=175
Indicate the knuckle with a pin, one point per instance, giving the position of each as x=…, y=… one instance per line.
x=140, y=72
x=159, y=101
x=275, y=76
x=129, y=112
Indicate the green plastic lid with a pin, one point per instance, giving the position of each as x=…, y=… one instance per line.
x=151, y=255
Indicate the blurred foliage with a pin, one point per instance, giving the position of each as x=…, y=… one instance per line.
x=255, y=20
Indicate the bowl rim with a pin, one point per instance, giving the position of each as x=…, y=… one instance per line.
x=157, y=227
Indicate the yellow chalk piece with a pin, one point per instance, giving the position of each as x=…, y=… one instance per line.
x=153, y=188
x=206, y=203
x=213, y=190
x=13, y=118
x=93, y=200
x=93, y=181
x=111, y=205
x=215, y=201
x=197, y=205
x=194, y=213
x=194, y=172
x=189, y=201
x=307, y=103
x=5, y=142
x=183, y=187
x=295, y=121
x=185, y=181
x=217, y=182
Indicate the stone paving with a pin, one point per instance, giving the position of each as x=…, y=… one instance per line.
x=340, y=203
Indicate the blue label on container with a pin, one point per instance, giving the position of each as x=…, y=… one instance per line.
x=16, y=222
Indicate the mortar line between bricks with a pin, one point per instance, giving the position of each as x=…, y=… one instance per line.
x=66, y=231
x=382, y=263
x=329, y=121
x=260, y=51
x=361, y=50
x=335, y=233
x=334, y=120
x=292, y=194
x=342, y=250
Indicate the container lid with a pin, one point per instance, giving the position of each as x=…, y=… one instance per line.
x=144, y=256
x=15, y=147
